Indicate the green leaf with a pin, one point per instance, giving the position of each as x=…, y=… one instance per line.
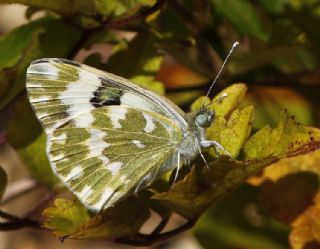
x=289, y=138
x=287, y=55
x=119, y=7
x=72, y=220
x=284, y=32
x=25, y=134
x=305, y=15
x=146, y=62
x=195, y=56
x=27, y=43
x=65, y=217
x=243, y=16
x=3, y=181
x=35, y=157
x=172, y=27
x=274, y=6
x=62, y=7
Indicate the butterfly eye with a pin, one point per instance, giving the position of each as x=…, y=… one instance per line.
x=204, y=119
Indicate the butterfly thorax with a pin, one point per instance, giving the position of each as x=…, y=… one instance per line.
x=191, y=143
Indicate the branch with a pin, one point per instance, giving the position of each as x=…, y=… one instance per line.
x=121, y=22
x=149, y=239
x=160, y=226
x=15, y=222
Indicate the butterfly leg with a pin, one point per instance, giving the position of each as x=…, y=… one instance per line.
x=177, y=170
x=203, y=158
x=215, y=145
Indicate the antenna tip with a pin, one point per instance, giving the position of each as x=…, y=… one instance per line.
x=236, y=44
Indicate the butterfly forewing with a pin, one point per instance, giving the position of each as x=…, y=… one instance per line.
x=101, y=148
x=59, y=89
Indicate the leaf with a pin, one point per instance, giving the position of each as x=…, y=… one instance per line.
x=271, y=102
x=70, y=219
x=119, y=7
x=197, y=191
x=248, y=62
x=25, y=134
x=232, y=133
x=29, y=42
x=233, y=95
x=147, y=61
x=65, y=217
x=289, y=138
x=275, y=6
x=290, y=191
x=62, y=7
x=307, y=22
x=3, y=182
x=172, y=26
x=284, y=32
x=306, y=229
x=195, y=56
x=243, y=16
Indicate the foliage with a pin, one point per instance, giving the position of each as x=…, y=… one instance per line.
x=279, y=61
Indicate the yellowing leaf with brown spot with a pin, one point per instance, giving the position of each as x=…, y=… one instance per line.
x=289, y=138
x=70, y=219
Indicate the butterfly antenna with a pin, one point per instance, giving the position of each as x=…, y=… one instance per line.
x=234, y=46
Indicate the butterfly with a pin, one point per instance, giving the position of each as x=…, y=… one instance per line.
x=108, y=138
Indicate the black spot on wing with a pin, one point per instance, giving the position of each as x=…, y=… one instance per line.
x=106, y=97
x=115, y=101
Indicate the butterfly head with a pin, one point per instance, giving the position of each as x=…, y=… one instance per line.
x=204, y=117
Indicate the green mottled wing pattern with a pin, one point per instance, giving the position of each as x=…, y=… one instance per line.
x=101, y=144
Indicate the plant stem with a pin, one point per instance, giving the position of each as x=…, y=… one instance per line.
x=15, y=222
x=149, y=239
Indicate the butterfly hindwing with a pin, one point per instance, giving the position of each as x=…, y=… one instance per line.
x=106, y=160
x=101, y=145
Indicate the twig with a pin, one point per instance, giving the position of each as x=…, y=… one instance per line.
x=161, y=226
x=19, y=188
x=15, y=222
x=121, y=22
x=149, y=239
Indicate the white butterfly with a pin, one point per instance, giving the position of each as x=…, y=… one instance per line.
x=108, y=138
